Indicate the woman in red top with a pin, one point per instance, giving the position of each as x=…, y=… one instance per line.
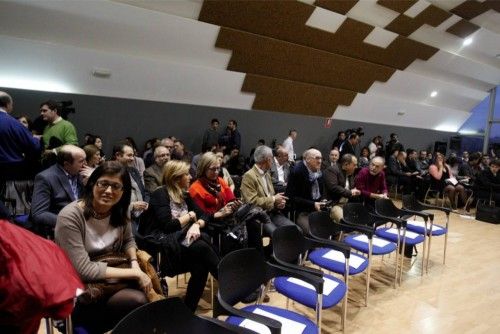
x=210, y=192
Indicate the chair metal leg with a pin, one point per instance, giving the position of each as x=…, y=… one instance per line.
x=402, y=257
x=368, y=272
x=424, y=252
x=319, y=309
x=49, y=329
x=446, y=237
x=69, y=325
x=429, y=246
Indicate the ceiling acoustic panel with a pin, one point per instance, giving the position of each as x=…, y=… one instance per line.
x=295, y=97
x=360, y=60
x=265, y=56
x=288, y=21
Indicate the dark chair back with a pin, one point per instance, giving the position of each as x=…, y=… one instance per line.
x=321, y=226
x=240, y=273
x=288, y=244
x=410, y=202
x=357, y=213
x=386, y=207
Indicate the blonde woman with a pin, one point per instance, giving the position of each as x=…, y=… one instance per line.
x=175, y=221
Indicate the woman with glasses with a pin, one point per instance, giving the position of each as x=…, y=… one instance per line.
x=175, y=221
x=96, y=225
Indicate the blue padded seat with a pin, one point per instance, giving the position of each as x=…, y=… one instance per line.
x=360, y=242
x=320, y=257
x=310, y=327
x=308, y=296
x=412, y=238
x=418, y=227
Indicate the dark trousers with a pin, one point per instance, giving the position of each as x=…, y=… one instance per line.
x=200, y=259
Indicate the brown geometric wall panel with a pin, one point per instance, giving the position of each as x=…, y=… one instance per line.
x=270, y=57
x=405, y=25
x=462, y=28
x=337, y=6
x=295, y=97
x=286, y=20
x=470, y=9
x=399, y=6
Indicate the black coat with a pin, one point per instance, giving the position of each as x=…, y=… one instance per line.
x=299, y=188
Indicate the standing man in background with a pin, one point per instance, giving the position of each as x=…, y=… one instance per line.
x=58, y=131
x=288, y=145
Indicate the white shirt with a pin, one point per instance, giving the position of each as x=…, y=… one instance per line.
x=3, y=110
x=281, y=172
x=288, y=145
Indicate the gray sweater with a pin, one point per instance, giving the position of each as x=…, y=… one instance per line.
x=70, y=236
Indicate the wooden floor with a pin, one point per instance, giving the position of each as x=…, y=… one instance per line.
x=462, y=296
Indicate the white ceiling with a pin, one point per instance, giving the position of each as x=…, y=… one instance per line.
x=158, y=50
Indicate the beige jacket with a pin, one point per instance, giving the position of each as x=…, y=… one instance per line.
x=252, y=189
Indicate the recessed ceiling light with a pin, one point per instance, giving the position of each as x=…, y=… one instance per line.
x=467, y=41
x=434, y=94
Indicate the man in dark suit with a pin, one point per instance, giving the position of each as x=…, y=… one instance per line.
x=339, y=184
x=57, y=186
x=139, y=199
x=280, y=169
x=305, y=187
x=348, y=147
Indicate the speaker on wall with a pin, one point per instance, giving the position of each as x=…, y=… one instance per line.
x=441, y=147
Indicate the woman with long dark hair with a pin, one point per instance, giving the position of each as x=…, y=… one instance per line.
x=98, y=224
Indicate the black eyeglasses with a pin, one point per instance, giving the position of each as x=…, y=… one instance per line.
x=214, y=169
x=103, y=185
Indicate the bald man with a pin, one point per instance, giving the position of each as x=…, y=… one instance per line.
x=57, y=186
x=305, y=187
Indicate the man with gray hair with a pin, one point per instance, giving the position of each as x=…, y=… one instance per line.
x=153, y=175
x=305, y=187
x=257, y=188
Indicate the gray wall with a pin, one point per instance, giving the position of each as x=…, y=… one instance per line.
x=115, y=118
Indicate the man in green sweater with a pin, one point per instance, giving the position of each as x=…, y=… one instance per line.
x=58, y=131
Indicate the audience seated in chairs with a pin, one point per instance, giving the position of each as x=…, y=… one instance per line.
x=487, y=185
x=257, y=188
x=92, y=156
x=371, y=182
x=443, y=180
x=339, y=185
x=92, y=227
x=224, y=173
x=57, y=186
x=210, y=192
x=153, y=175
x=124, y=154
x=280, y=170
x=175, y=221
x=305, y=187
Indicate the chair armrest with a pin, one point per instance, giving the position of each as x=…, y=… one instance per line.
x=384, y=219
x=332, y=244
x=421, y=214
x=433, y=207
x=226, y=325
x=273, y=325
x=309, y=270
x=347, y=227
x=292, y=270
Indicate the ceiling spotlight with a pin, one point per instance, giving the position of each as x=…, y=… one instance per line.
x=467, y=41
x=434, y=94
